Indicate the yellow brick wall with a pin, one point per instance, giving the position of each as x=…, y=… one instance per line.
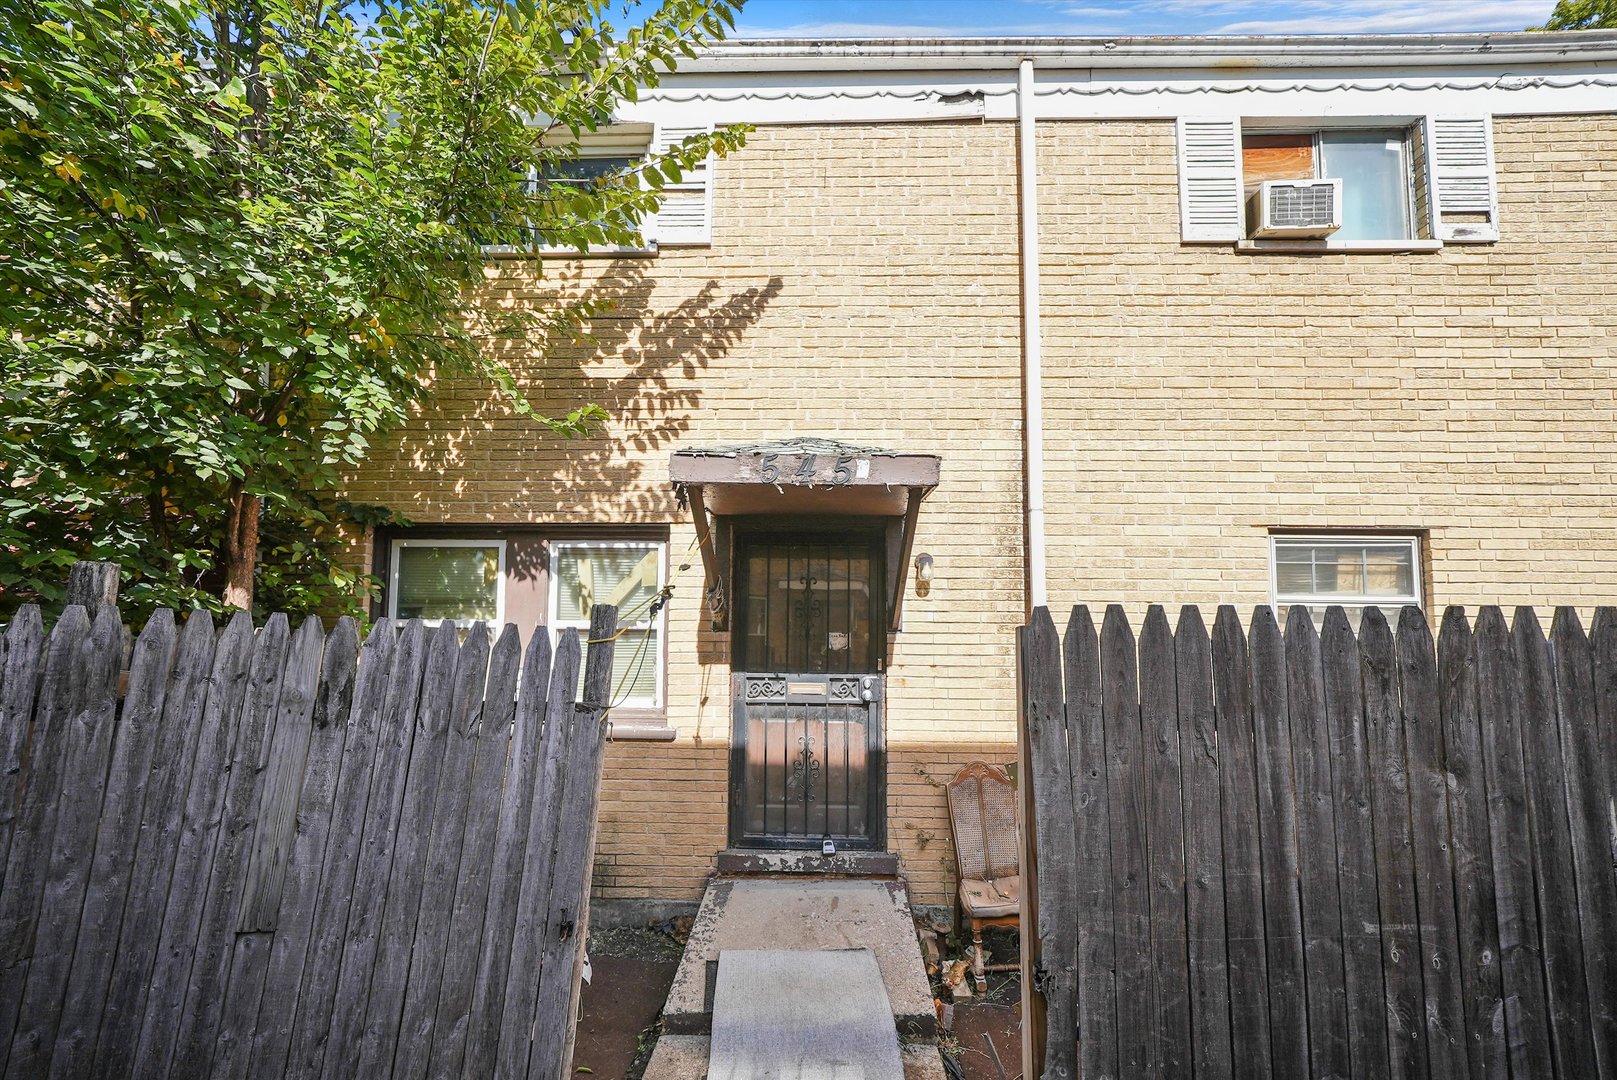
x=1196, y=397
x=863, y=285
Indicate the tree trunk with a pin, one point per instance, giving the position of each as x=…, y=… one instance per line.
x=240, y=554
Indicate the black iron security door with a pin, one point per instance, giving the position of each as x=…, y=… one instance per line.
x=806, y=762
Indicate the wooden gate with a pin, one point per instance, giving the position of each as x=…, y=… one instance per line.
x=282, y=854
x=1287, y=854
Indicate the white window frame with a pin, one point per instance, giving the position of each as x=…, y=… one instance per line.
x=632, y=141
x=658, y=622
x=499, y=581
x=1410, y=542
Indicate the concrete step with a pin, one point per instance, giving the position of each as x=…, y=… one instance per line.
x=782, y=1014
x=684, y=1057
x=804, y=915
x=746, y=862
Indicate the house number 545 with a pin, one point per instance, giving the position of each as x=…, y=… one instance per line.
x=808, y=470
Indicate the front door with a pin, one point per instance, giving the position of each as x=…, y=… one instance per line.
x=807, y=762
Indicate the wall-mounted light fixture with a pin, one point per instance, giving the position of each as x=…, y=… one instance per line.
x=923, y=574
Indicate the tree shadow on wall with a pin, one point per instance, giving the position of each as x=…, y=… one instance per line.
x=471, y=459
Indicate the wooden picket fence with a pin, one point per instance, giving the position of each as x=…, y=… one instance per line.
x=282, y=854
x=1268, y=853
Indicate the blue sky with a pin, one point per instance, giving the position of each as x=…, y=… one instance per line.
x=992, y=18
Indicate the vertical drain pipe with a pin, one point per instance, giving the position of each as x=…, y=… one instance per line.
x=1032, y=363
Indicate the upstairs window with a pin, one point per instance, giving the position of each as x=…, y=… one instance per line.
x=1373, y=165
x=1400, y=184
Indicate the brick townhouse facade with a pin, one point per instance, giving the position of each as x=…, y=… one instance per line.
x=875, y=347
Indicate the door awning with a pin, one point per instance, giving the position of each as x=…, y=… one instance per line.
x=801, y=477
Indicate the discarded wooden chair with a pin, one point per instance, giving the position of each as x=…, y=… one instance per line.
x=982, y=810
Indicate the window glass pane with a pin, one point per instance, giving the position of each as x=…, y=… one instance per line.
x=625, y=575
x=1331, y=570
x=1294, y=570
x=459, y=583
x=1388, y=572
x=634, y=669
x=1375, y=183
x=583, y=169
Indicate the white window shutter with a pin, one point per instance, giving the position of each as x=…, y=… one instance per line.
x=686, y=214
x=1210, y=202
x=1460, y=165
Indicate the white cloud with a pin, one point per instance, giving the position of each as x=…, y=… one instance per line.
x=1397, y=17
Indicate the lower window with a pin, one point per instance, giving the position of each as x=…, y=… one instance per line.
x=459, y=581
x=532, y=577
x=1380, y=570
x=628, y=575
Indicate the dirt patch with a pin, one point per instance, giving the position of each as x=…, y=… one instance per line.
x=619, y=1011
x=982, y=1033
x=994, y=1018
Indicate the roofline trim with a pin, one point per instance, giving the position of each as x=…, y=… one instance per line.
x=1235, y=53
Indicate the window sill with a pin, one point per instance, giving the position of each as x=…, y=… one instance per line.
x=639, y=725
x=1328, y=247
x=502, y=251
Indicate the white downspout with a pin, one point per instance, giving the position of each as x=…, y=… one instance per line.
x=1032, y=364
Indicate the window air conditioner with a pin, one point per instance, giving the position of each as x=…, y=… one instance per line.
x=1296, y=208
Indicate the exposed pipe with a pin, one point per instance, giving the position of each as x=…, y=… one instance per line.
x=1032, y=364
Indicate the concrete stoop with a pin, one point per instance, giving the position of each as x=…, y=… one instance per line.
x=764, y=915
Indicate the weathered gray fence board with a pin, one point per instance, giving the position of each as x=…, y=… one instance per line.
x=1057, y=915
x=464, y=692
x=1086, y=748
x=283, y=856
x=1131, y=895
x=1355, y=847
x=24, y=652
x=1439, y=954
x=1476, y=928
x=199, y=1036
x=72, y=849
x=340, y=863
x=159, y=835
x=1204, y=849
x=414, y=831
x=193, y=860
x=489, y=784
x=65, y=679
x=1243, y=870
x=380, y=839
x=284, y=748
x=300, y=890
x=116, y=836
x=523, y=977
x=1395, y=858
x=1159, y=726
x=530, y=738
x=1277, y=838
x=1588, y=784
x=1567, y=992
x=1319, y=897
x=1526, y=1025
x=561, y=949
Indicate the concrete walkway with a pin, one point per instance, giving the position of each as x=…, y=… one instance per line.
x=797, y=915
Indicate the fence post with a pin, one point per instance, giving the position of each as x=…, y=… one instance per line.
x=92, y=586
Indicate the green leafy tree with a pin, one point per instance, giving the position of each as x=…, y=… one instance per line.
x=242, y=236
x=1582, y=15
